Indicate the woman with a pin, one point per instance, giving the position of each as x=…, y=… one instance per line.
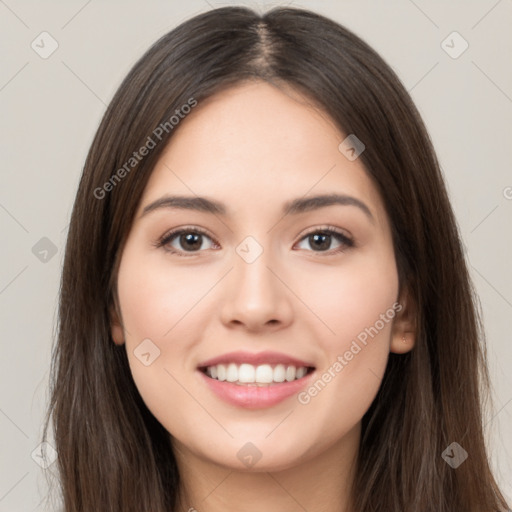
x=265, y=303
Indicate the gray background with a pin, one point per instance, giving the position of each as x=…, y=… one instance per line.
x=50, y=109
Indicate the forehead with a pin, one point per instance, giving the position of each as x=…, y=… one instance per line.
x=256, y=146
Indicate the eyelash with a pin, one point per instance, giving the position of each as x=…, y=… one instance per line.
x=346, y=242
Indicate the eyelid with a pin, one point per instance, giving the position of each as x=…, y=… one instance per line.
x=328, y=227
x=162, y=241
x=347, y=240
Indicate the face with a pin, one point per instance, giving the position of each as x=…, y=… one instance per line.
x=274, y=291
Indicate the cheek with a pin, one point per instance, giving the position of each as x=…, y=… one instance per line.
x=358, y=304
x=168, y=305
x=352, y=297
x=158, y=306
x=156, y=299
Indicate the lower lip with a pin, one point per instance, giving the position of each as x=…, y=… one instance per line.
x=255, y=397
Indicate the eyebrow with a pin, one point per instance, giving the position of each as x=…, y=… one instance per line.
x=293, y=207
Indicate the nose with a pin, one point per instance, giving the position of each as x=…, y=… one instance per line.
x=257, y=297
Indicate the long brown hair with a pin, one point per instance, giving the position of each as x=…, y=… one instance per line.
x=112, y=453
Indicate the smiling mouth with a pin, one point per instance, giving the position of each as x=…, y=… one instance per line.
x=263, y=375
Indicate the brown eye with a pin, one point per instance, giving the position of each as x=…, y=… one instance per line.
x=321, y=240
x=190, y=241
x=185, y=240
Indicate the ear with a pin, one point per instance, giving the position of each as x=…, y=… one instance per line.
x=404, y=325
x=116, y=327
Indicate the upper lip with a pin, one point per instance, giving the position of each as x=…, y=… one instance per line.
x=267, y=357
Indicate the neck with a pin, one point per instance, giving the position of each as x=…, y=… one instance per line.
x=321, y=483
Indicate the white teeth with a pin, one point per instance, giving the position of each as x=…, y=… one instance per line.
x=221, y=372
x=264, y=374
x=300, y=372
x=290, y=373
x=280, y=373
x=232, y=373
x=248, y=374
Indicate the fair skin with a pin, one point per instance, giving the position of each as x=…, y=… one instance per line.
x=254, y=147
